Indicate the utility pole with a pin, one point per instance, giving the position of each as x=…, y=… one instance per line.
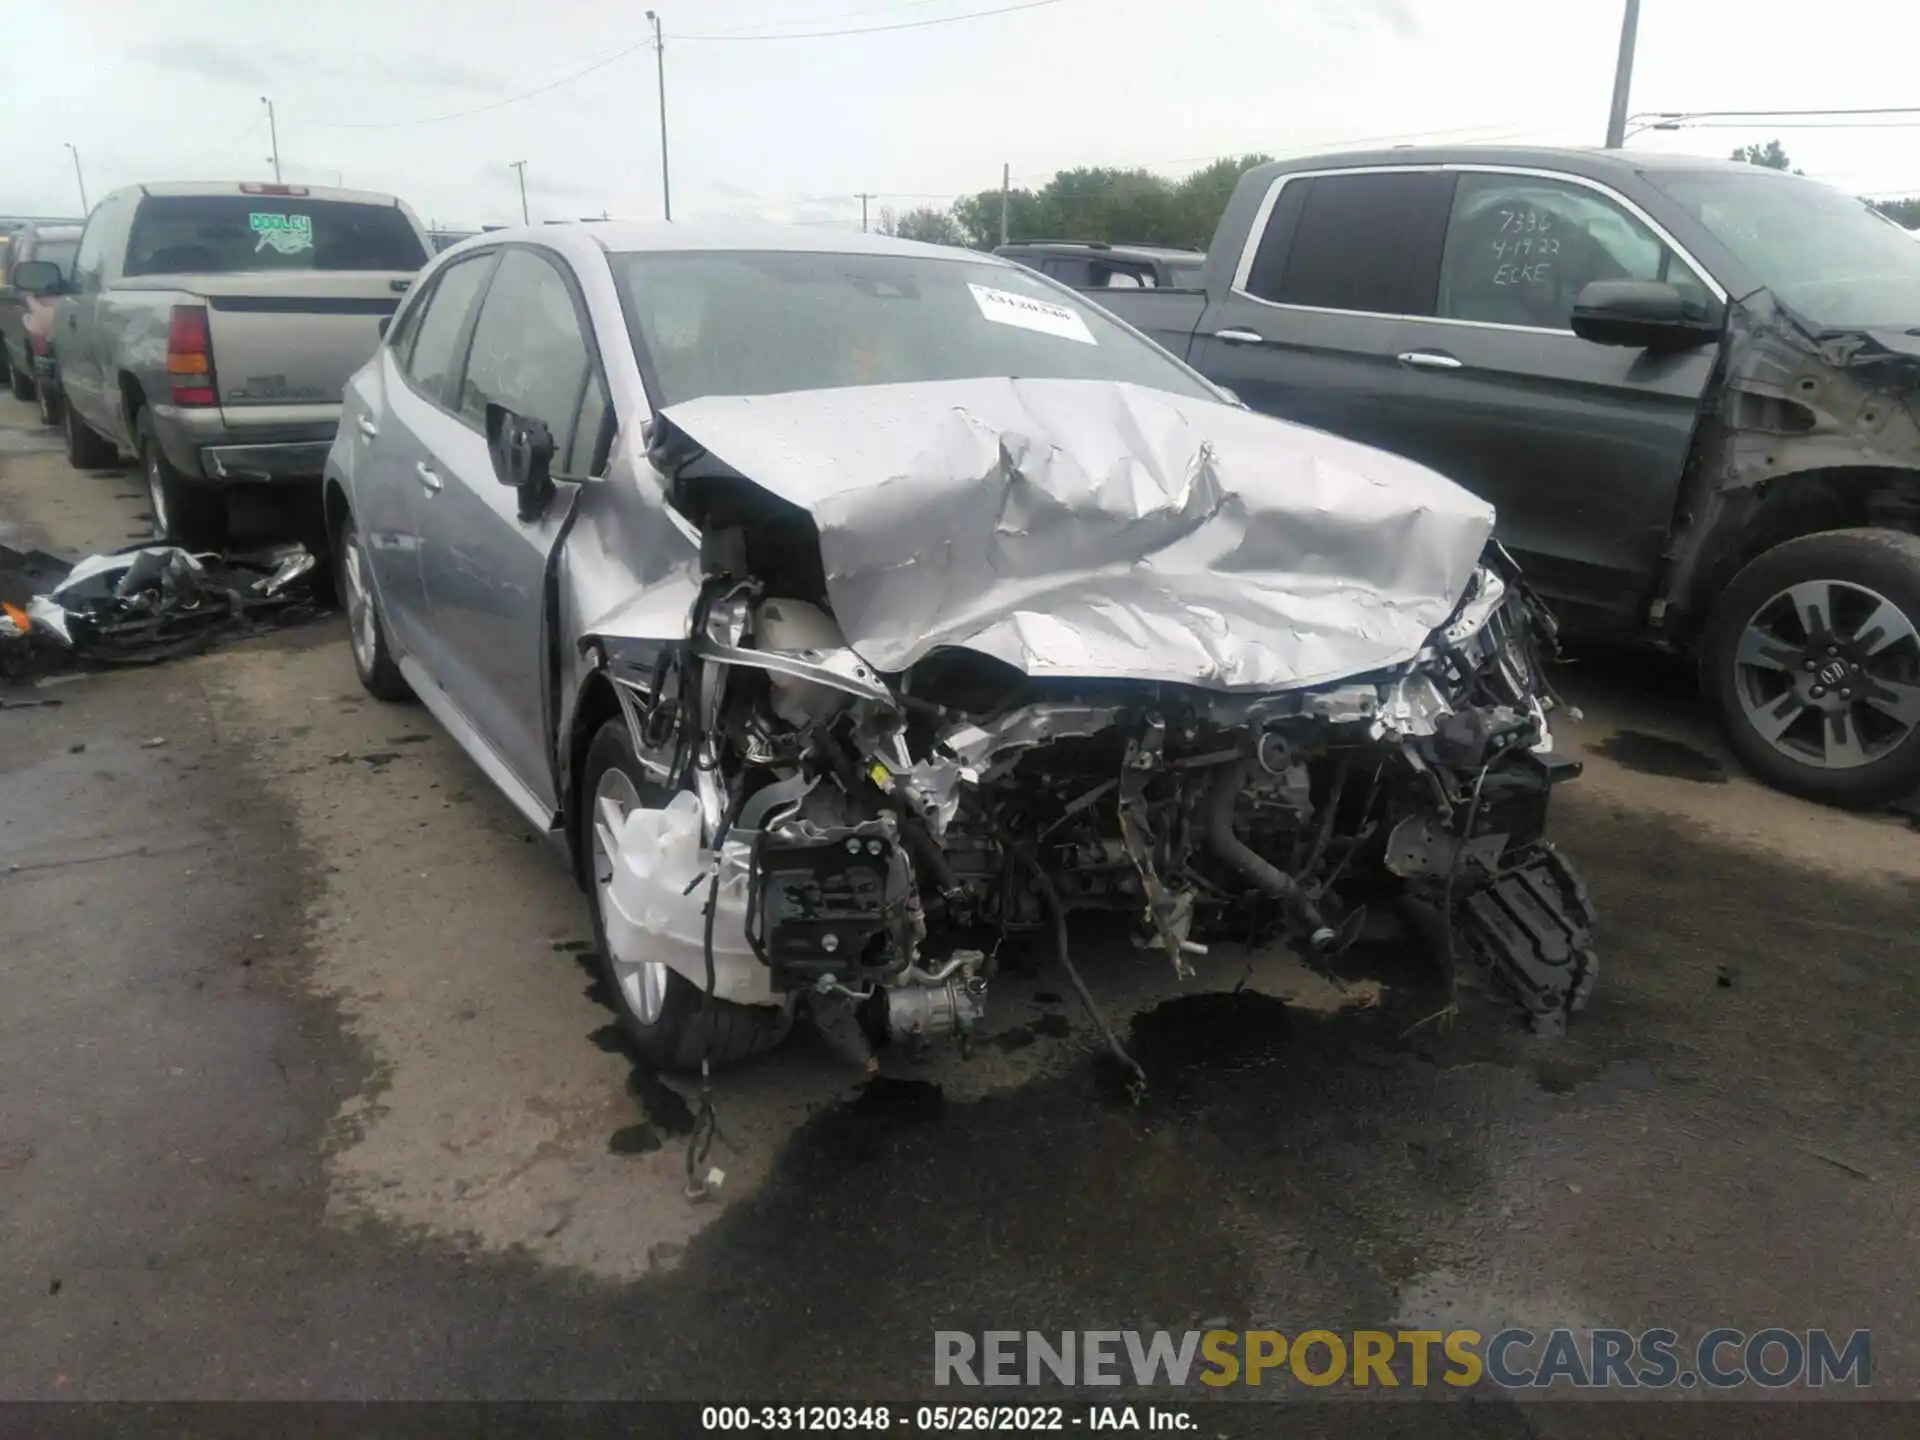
x=1005, y=177
x=864, y=197
x=660, y=66
x=521, y=166
x=273, y=130
x=1623, y=77
x=78, y=178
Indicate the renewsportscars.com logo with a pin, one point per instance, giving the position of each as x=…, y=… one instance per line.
x=1516, y=1359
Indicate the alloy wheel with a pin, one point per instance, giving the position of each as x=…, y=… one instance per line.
x=1828, y=674
x=361, y=634
x=643, y=983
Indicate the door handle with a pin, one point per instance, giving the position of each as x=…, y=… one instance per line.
x=1428, y=360
x=1237, y=336
x=367, y=427
x=429, y=478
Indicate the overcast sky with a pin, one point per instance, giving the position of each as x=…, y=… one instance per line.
x=795, y=128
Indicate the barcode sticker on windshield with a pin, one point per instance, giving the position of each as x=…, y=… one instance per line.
x=1003, y=307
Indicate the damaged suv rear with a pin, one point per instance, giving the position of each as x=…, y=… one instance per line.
x=904, y=602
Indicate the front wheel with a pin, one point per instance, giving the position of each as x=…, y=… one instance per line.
x=660, y=1010
x=1813, y=659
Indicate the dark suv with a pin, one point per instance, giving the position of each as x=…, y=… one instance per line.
x=1089, y=265
x=1691, y=389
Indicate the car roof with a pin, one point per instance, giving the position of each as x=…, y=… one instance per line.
x=622, y=236
x=1593, y=163
x=237, y=187
x=1124, y=251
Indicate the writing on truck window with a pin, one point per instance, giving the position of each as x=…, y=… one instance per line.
x=288, y=234
x=1523, y=251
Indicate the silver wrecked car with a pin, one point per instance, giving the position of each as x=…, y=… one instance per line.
x=847, y=603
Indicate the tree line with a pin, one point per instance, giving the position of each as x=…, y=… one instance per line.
x=1092, y=203
x=1140, y=207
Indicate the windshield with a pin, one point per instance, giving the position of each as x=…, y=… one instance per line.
x=765, y=322
x=234, y=234
x=1823, y=254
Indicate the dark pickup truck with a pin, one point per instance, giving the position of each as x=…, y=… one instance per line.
x=1691, y=388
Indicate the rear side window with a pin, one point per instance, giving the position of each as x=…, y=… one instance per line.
x=1365, y=242
x=436, y=334
x=1119, y=275
x=237, y=234
x=1072, y=272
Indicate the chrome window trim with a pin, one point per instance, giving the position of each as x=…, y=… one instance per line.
x=1243, y=270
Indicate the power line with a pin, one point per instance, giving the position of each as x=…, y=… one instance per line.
x=1751, y=125
x=877, y=29
x=1766, y=114
x=1473, y=135
x=836, y=15
x=601, y=64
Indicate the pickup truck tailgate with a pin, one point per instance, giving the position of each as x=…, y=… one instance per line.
x=292, y=340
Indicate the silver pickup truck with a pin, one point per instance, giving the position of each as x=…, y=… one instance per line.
x=208, y=330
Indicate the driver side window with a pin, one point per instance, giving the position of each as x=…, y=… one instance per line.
x=528, y=351
x=1519, y=248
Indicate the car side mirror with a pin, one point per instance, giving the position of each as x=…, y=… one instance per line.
x=1641, y=314
x=522, y=452
x=39, y=278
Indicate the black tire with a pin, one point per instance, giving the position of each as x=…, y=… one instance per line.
x=85, y=449
x=676, y=1039
x=52, y=403
x=184, y=511
x=1860, y=569
x=372, y=657
x=20, y=380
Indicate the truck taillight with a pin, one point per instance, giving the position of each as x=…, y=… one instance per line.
x=190, y=356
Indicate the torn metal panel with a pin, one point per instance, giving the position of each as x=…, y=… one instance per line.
x=1797, y=405
x=1094, y=529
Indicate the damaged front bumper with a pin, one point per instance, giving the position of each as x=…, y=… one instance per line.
x=866, y=842
x=962, y=658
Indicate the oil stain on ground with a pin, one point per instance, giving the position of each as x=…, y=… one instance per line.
x=1659, y=755
x=1290, y=1166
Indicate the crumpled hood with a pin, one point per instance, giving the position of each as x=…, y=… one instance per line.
x=1091, y=529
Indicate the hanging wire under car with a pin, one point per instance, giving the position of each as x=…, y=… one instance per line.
x=1137, y=1077
x=701, y=1182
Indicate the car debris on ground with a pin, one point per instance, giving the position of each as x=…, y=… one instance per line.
x=143, y=604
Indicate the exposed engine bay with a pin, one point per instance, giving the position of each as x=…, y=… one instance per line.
x=863, y=842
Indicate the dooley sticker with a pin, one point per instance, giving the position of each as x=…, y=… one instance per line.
x=288, y=234
x=1003, y=307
